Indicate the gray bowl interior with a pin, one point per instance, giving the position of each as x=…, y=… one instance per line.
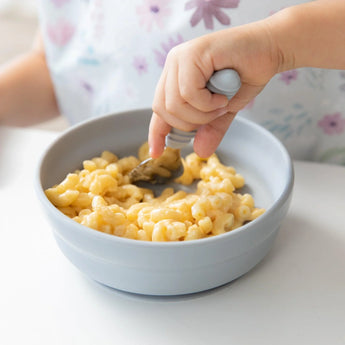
x=254, y=152
x=177, y=267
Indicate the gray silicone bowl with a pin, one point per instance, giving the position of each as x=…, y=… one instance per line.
x=172, y=268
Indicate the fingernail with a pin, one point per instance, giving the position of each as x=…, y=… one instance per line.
x=153, y=153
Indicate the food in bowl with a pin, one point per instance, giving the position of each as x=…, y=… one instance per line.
x=169, y=267
x=101, y=197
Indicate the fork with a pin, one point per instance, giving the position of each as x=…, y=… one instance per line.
x=169, y=166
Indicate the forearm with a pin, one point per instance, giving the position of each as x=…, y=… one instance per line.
x=310, y=35
x=26, y=91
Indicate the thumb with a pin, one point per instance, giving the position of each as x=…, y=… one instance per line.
x=209, y=136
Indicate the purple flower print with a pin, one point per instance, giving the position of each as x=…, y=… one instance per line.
x=162, y=55
x=207, y=9
x=153, y=11
x=140, y=64
x=332, y=124
x=86, y=86
x=288, y=76
x=59, y=3
x=60, y=33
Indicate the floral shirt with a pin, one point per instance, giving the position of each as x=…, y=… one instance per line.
x=106, y=56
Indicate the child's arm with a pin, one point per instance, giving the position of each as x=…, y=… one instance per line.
x=311, y=34
x=26, y=90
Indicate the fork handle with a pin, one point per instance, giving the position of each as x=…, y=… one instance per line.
x=224, y=82
x=178, y=139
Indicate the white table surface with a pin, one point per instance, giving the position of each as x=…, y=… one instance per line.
x=296, y=295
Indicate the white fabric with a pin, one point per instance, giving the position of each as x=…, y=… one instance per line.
x=106, y=56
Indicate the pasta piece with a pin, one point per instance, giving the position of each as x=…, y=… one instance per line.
x=100, y=197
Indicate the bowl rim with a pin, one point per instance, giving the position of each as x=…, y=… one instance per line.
x=86, y=231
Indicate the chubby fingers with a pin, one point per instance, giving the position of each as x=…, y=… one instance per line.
x=181, y=102
x=207, y=139
x=191, y=89
x=182, y=98
x=158, y=130
x=209, y=136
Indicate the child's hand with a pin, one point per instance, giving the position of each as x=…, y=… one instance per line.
x=182, y=100
x=291, y=38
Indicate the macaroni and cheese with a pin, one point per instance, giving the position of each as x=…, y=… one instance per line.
x=101, y=197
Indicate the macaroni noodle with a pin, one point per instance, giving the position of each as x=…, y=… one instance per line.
x=100, y=197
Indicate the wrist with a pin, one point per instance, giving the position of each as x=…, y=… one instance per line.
x=250, y=49
x=281, y=27
x=310, y=35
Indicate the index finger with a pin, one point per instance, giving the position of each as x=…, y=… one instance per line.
x=158, y=130
x=192, y=82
